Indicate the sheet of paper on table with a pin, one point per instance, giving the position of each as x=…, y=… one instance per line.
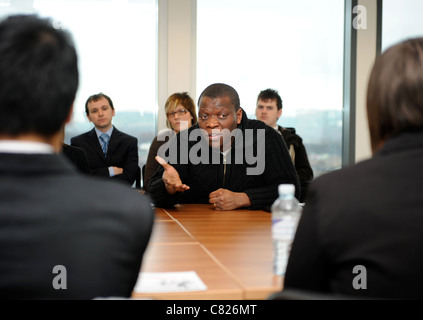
x=149, y=282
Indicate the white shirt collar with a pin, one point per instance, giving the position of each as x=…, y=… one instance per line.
x=26, y=147
x=277, y=129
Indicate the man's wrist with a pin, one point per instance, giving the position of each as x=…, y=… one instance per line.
x=243, y=200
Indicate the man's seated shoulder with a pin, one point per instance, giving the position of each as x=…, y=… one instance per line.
x=291, y=137
x=124, y=135
x=289, y=130
x=79, y=137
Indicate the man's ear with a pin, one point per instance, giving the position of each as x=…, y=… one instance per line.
x=279, y=113
x=239, y=116
x=88, y=116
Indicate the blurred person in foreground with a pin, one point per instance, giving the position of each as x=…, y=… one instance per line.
x=360, y=233
x=63, y=234
x=226, y=160
x=180, y=115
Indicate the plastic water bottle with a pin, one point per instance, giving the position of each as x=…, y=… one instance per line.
x=286, y=212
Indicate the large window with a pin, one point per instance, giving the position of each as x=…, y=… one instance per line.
x=295, y=47
x=116, y=44
x=401, y=20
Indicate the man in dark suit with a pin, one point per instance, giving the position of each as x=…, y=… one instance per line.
x=111, y=153
x=63, y=234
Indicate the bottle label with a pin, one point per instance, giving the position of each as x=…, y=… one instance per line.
x=284, y=228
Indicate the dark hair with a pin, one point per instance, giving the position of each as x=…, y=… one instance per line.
x=96, y=97
x=395, y=92
x=270, y=94
x=181, y=98
x=38, y=76
x=221, y=90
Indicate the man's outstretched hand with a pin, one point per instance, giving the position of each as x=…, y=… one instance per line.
x=171, y=178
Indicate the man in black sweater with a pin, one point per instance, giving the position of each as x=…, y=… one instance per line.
x=226, y=159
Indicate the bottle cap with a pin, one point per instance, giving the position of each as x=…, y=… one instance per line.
x=286, y=189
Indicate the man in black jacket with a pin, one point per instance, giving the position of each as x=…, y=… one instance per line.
x=226, y=159
x=116, y=158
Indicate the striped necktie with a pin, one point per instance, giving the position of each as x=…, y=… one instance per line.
x=104, y=138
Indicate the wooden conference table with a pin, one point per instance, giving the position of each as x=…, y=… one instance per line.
x=231, y=252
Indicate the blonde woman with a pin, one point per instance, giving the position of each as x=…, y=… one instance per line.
x=180, y=115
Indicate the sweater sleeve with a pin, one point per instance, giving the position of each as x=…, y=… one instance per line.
x=156, y=187
x=158, y=193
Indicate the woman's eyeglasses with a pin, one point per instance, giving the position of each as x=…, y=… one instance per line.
x=180, y=113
